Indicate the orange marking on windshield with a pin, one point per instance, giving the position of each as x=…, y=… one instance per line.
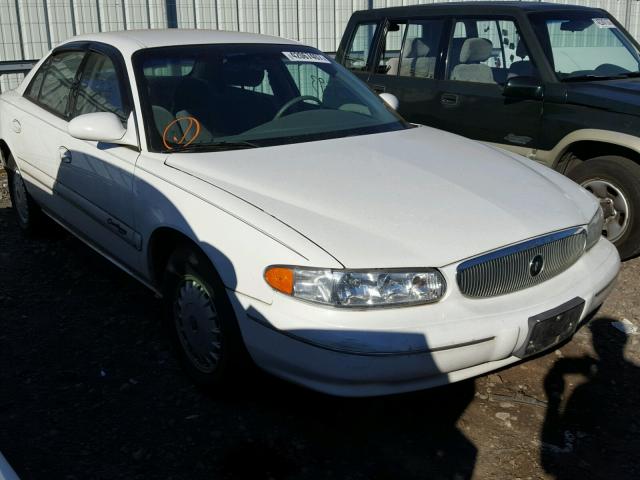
x=190, y=133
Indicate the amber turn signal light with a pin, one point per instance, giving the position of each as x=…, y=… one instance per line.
x=280, y=278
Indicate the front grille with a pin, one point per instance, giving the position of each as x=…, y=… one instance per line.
x=510, y=269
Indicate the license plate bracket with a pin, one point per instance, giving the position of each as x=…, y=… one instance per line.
x=551, y=327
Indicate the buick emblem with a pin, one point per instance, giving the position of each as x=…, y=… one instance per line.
x=536, y=265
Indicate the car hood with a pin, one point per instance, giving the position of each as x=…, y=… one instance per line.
x=613, y=95
x=411, y=198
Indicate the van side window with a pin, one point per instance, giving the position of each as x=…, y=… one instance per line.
x=420, y=48
x=488, y=51
x=390, y=49
x=361, y=44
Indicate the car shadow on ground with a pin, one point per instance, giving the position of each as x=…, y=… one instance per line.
x=589, y=431
x=91, y=390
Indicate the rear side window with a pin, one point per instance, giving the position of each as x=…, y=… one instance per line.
x=420, y=48
x=488, y=51
x=58, y=75
x=361, y=44
x=99, y=88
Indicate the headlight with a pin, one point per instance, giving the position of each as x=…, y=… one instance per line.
x=594, y=229
x=358, y=288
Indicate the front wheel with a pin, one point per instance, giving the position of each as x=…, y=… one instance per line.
x=615, y=181
x=201, y=320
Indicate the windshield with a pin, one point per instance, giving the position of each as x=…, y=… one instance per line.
x=585, y=46
x=212, y=97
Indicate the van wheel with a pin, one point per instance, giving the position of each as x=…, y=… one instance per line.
x=615, y=181
x=201, y=320
x=28, y=214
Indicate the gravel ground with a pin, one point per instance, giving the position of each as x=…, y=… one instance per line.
x=89, y=389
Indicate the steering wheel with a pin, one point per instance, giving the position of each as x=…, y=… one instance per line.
x=295, y=100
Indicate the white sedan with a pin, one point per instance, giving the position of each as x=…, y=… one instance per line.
x=287, y=214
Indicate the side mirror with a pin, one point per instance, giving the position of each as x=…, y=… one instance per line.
x=103, y=127
x=524, y=88
x=391, y=100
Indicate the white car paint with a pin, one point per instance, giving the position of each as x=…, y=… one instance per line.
x=413, y=198
x=6, y=472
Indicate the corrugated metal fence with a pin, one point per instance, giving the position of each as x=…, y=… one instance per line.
x=29, y=28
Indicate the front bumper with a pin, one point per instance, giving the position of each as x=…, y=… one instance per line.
x=385, y=351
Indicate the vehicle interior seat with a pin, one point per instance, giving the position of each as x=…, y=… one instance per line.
x=240, y=79
x=392, y=66
x=470, y=69
x=188, y=91
x=418, y=63
x=194, y=96
x=522, y=67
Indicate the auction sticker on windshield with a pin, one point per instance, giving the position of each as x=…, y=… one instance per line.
x=306, y=57
x=603, y=23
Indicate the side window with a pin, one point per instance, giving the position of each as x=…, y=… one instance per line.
x=420, y=49
x=36, y=84
x=99, y=89
x=390, y=49
x=358, y=52
x=58, y=79
x=488, y=51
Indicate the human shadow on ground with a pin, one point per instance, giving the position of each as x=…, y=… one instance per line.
x=591, y=433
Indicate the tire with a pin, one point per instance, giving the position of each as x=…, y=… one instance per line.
x=28, y=214
x=615, y=181
x=195, y=302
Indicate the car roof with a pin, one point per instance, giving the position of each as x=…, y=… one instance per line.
x=497, y=8
x=130, y=41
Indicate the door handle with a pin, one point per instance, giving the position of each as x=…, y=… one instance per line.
x=378, y=88
x=65, y=155
x=15, y=126
x=449, y=99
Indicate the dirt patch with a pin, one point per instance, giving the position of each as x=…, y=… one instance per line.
x=91, y=390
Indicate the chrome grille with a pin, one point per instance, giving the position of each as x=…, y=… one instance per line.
x=510, y=269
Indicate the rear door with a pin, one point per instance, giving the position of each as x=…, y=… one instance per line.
x=40, y=122
x=408, y=65
x=483, y=53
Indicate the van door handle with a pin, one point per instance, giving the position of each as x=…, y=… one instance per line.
x=15, y=126
x=378, y=88
x=65, y=155
x=449, y=99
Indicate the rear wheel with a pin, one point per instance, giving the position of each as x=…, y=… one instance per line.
x=615, y=181
x=201, y=320
x=28, y=214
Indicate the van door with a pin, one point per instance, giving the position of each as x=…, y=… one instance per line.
x=407, y=65
x=483, y=53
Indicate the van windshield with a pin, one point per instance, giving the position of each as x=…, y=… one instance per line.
x=583, y=45
x=212, y=97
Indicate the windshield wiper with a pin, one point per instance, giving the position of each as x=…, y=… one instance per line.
x=212, y=147
x=630, y=74
x=588, y=78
